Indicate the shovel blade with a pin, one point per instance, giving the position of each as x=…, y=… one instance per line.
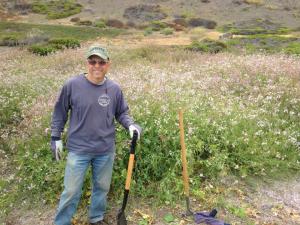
x=121, y=218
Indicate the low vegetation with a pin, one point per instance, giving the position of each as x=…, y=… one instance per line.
x=241, y=116
x=46, y=39
x=53, y=45
x=196, y=22
x=255, y=26
x=21, y=30
x=207, y=45
x=144, y=13
x=56, y=9
x=267, y=43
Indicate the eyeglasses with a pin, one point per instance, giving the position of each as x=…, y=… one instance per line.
x=94, y=62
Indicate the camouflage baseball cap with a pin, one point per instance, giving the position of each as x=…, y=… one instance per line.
x=97, y=50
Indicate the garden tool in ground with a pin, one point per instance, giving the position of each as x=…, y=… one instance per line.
x=200, y=217
x=121, y=218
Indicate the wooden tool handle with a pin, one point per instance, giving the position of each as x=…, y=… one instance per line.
x=129, y=171
x=183, y=155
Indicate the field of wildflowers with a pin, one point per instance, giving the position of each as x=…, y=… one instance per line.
x=241, y=113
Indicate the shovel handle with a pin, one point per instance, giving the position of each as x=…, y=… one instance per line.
x=131, y=161
x=183, y=155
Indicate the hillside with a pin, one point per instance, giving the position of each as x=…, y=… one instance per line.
x=287, y=13
x=231, y=65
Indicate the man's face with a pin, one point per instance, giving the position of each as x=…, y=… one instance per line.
x=97, y=67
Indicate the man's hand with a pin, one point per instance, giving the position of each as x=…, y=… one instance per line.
x=135, y=127
x=57, y=148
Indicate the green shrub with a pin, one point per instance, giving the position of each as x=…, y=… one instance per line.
x=167, y=31
x=9, y=41
x=54, y=45
x=43, y=50
x=293, y=48
x=148, y=31
x=100, y=24
x=207, y=45
x=57, y=9
x=68, y=43
x=158, y=25
x=40, y=8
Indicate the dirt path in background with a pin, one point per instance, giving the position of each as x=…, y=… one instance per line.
x=176, y=39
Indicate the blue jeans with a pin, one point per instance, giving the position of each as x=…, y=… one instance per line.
x=76, y=167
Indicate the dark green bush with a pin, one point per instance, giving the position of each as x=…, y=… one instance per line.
x=158, y=25
x=67, y=43
x=42, y=50
x=207, y=45
x=85, y=23
x=9, y=41
x=54, y=45
x=100, y=24
x=167, y=31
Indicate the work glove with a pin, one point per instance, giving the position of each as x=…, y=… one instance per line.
x=57, y=148
x=137, y=128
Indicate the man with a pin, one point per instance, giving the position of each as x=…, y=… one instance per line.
x=93, y=101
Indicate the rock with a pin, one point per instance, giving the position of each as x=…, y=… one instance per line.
x=237, y=2
x=197, y=22
x=226, y=36
x=176, y=27
x=180, y=21
x=144, y=13
x=115, y=23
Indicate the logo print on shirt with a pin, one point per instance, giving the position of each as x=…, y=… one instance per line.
x=104, y=100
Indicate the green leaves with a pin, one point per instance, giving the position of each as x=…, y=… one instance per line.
x=169, y=218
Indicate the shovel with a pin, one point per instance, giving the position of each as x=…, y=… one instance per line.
x=199, y=217
x=121, y=218
x=184, y=167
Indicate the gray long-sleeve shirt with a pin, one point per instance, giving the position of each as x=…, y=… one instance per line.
x=92, y=111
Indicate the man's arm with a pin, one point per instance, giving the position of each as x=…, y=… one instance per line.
x=59, y=119
x=123, y=118
x=122, y=112
x=60, y=114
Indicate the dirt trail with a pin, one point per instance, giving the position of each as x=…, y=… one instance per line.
x=268, y=202
x=265, y=202
x=177, y=39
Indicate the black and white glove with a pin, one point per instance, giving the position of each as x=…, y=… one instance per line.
x=135, y=127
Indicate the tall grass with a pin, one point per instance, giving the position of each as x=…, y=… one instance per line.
x=241, y=116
